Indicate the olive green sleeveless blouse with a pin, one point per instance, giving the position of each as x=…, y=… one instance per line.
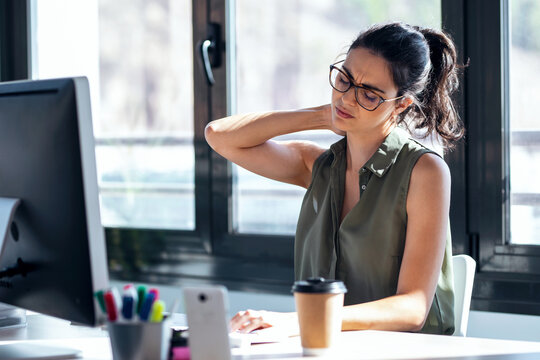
x=366, y=249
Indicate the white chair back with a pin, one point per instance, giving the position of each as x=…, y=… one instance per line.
x=464, y=270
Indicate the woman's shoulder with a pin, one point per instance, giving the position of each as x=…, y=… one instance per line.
x=430, y=172
x=431, y=163
x=427, y=155
x=423, y=160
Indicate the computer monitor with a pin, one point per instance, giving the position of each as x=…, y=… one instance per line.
x=52, y=246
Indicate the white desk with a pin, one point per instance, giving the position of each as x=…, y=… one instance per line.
x=94, y=344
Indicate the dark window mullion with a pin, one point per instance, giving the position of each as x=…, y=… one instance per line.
x=505, y=85
x=14, y=41
x=201, y=115
x=221, y=189
x=484, y=114
x=453, y=21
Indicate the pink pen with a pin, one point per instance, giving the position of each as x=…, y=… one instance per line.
x=156, y=293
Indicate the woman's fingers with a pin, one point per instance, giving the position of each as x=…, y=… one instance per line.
x=253, y=324
x=237, y=321
x=246, y=321
x=249, y=320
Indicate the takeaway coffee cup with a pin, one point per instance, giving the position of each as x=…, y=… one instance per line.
x=319, y=304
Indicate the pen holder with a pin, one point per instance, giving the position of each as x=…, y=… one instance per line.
x=139, y=340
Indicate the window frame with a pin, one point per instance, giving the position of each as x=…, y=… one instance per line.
x=507, y=278
x=507, y=274
x=210, y=253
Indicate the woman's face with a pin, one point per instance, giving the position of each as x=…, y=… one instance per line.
x=372, y=71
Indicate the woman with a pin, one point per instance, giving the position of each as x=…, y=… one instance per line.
x=375, y=213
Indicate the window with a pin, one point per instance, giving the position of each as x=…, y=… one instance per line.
x=209, y=229
x=137, y=57
x=284, y=49
x=523, y=123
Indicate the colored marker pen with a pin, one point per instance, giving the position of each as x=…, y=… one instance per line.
x=147, y=306
x=129, y=302
x=110, y=305
x=157, y=311
x=117, y=298
x=141, y=294
x=101, y=300
x=129, y=289
x=128, y=307
x=155, y=292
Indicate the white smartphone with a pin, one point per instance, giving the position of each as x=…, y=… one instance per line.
x=206, y=310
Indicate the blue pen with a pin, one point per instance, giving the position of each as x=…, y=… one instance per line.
x=146, y=306
x=127, y=307
x=129, y=302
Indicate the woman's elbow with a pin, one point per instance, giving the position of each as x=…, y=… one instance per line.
x=417, y=326
x=211, y=135
x=418, y=319
x=416, y=309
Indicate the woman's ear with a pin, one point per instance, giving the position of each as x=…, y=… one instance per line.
x=401, y=105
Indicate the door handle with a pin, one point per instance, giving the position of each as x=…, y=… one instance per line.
x=205, y=46
x=210, y=51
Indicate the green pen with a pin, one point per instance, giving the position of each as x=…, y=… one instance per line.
x=101, y=300
x=141, y=295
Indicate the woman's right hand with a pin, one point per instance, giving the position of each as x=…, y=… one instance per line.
x=328, y=118
x=248, y=141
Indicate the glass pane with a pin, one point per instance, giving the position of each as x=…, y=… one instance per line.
x=524, y=70
x=137, y=57
x=292, y=43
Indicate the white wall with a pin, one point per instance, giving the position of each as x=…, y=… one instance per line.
x=481, y=324
x=504, y=326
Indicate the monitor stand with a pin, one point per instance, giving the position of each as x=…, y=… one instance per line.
x=25, y=350
x=28, y=350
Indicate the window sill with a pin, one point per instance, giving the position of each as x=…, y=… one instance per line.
x=195, y=269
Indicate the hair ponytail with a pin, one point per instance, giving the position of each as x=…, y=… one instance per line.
x=436, y=99
x=424, y=66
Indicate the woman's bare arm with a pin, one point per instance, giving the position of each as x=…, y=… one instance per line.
x=428, y=204
x=246, y=141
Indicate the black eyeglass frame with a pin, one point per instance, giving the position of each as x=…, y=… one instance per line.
x=352, y=84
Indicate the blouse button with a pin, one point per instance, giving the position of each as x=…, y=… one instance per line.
x=363, y=187
x=363, y=170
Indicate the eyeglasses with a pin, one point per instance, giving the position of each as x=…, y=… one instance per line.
x=365, y=97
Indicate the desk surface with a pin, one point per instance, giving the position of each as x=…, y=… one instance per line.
x=94, y=344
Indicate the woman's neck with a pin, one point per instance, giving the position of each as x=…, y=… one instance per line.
x=361, y=146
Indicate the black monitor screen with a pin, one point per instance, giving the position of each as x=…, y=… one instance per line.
x=53, y=256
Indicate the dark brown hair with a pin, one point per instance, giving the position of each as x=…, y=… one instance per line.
x=424, y=66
